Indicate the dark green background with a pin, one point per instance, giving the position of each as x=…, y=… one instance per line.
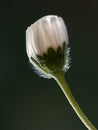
x=28, y=102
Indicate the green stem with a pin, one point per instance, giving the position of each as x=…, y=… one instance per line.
x=59, y=77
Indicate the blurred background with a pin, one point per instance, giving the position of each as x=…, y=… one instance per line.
x=28, y=102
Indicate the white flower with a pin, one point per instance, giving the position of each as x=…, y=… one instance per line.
x=48, y=32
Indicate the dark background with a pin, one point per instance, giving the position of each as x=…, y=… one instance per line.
x=28, y=102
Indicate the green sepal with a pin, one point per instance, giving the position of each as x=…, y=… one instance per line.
x=53, y=60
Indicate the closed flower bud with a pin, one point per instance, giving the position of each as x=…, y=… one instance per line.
x=47, y=45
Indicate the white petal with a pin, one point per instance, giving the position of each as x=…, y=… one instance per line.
x=29, y=49
x=64, y=33
x=49, y=31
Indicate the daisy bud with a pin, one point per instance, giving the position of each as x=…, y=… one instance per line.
x=47, y=45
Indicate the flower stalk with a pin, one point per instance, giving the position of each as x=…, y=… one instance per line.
x=59, y=77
